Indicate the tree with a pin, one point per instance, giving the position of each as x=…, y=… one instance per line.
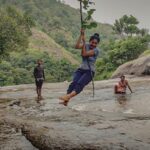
x=87, y=22
x=127, y=50
x=14, y=30
x=144, y=32
x=126, y=26
x=120, y=52
x=118, y=27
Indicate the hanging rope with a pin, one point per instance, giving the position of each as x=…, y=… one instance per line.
x=81, y=16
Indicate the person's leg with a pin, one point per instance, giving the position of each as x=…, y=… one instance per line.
x=82, y=82
x=40, y=88
x=38, y=93
x=77, y=76
x=37, y=88
x=65, y=98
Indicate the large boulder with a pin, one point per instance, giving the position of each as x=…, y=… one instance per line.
x=137, y=67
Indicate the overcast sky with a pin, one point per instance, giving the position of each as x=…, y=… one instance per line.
x=109, y=10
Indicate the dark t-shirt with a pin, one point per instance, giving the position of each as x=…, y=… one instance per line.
x=39, y=72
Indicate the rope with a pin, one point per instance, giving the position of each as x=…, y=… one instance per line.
x=92, y=76
x=81, y=15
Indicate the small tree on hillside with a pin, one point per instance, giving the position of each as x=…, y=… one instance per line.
x=87, y=22
x=15, y=28
x=128, y=26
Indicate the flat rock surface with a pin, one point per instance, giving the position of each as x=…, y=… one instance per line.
x=107, y=121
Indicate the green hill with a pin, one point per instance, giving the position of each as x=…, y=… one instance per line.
x=57, y=27
x=44, y=43
x=58, y=20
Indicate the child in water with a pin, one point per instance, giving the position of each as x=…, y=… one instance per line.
x=122, y=85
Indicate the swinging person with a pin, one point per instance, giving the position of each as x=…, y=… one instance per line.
x=86, y=71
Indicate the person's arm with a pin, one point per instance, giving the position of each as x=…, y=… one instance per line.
x=43, y=74
x=87, y=53
x=84, y=52
x=79, y=44
x=129, y=87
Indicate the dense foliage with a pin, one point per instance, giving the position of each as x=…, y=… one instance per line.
x=133, y=42
x=61, y=23
x=120, y=52
x=17, y=60
x=14, y=30
x=58, y=20
x=18, y=69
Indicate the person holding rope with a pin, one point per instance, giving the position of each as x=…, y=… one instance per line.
x=85, y=73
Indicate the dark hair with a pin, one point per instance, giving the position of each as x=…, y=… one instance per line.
x=95, y=36
x=122, y=76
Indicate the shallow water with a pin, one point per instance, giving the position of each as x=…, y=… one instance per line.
x=95, y=121
x=135, y=103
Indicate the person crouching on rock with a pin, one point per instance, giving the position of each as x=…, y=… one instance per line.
x=86, y=71
x=39, y=78
x=122, y=85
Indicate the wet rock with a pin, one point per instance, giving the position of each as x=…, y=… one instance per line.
x=107, y=122
x=12, y=140
x=15, y=103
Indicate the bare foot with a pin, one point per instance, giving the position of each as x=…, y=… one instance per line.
x=41, y=98
x=38, y=97
x=65, y=100
x=64, y=103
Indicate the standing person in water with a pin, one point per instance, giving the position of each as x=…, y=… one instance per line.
x=122, y=85
x=39, y=78
x=86, y=71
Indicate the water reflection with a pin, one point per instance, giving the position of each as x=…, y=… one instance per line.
x=122, y=99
